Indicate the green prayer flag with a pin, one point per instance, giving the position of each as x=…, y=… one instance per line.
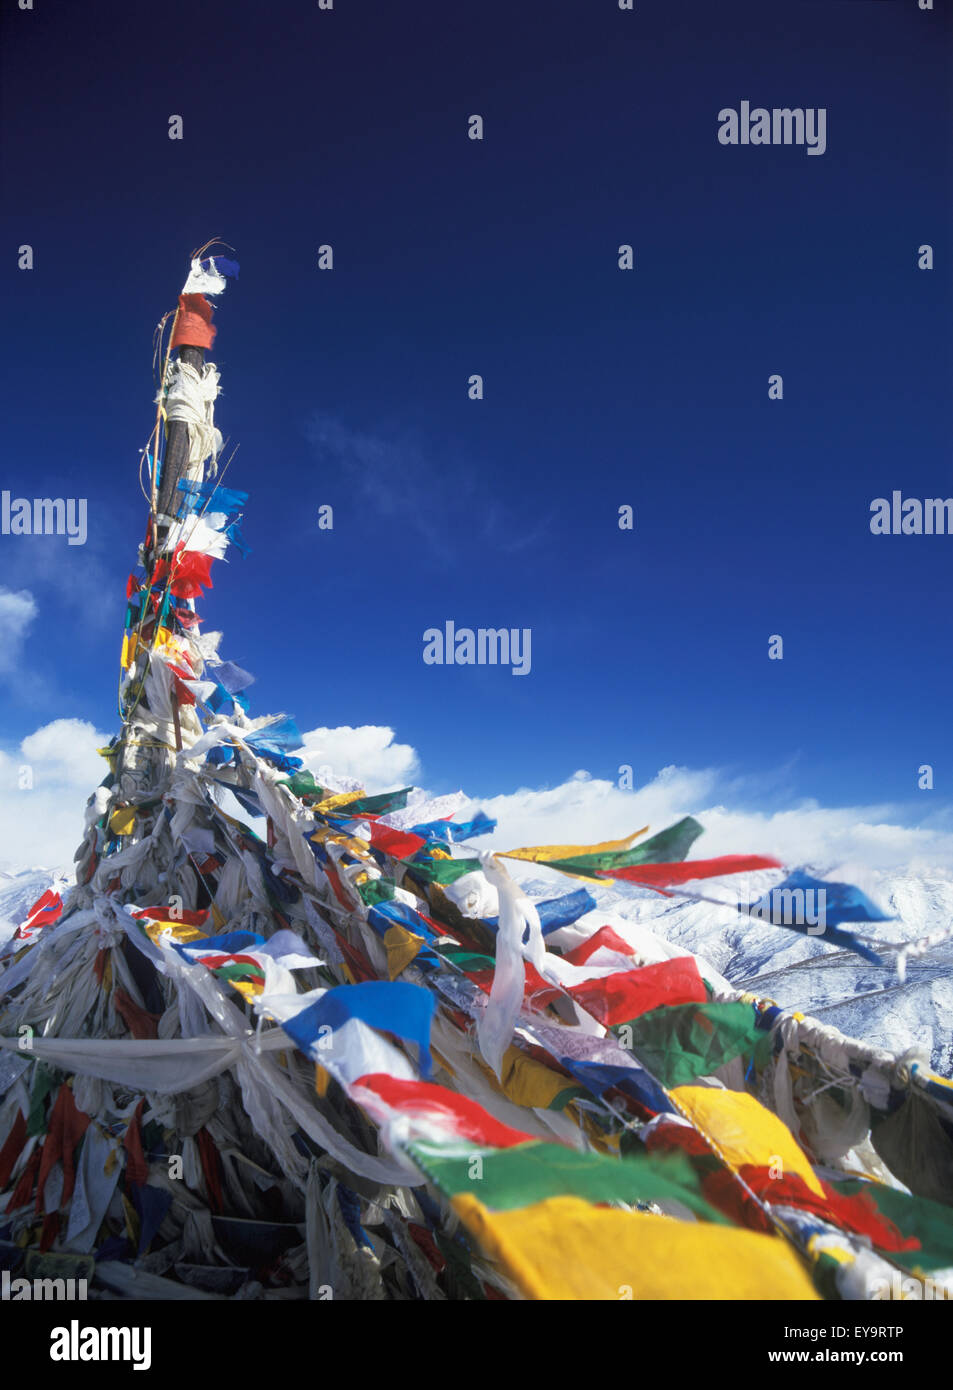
x=462, y=1282
x=504, y=1179
x=929, y=1222
x=302, y=784
x=667, y=847
x=442, y=870
x=380, y=805
x=44, y=1081
x=240, y=970
x=680, y=1042
x=469, y=961
x=377, y=890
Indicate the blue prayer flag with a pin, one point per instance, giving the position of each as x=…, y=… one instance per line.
x=392, y=1007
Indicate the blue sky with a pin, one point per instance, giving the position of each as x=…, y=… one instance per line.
x=603, y=388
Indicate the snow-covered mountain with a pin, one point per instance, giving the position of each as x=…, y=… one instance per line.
x=834, y=986
x=20, y=890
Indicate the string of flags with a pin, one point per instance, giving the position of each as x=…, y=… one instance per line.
x=283, y=1035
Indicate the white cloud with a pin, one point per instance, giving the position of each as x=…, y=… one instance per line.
x=367, y=754
x=846, y=838
x=42, y=823
x=17, y=611
x=65, y=752
x=584, y=809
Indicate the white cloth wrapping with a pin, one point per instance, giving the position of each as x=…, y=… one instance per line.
x=290, y=821
x=94, y=1190
x=180, y=1064
x=517, y=914
x=203, y=534
x=189, y=395
x=166, y=1065
x=473, y=895
x=204, y=281
x=265, y=1088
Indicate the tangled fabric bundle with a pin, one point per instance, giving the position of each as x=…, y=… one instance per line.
x=189, y=395
x=284, y=1039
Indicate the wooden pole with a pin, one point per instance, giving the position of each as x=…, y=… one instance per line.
x=165, y=502
x=176, y=455
x=175, y=722
x=174, y=464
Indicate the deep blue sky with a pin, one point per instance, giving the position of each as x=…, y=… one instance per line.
x=452, y=257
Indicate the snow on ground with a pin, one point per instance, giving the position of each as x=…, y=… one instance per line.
x=832, y=985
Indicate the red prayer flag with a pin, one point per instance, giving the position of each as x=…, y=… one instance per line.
x=137, y=1169
x=194, y=917
x=190, y=570
x=399, y=844
x=604, y=938
x=67, y=1126
x=661, y=875
x=140, y=1023
x=183, y=694
x=857, y=1214
x=425, y=1241
x=24, y=1188
x=193, y=323
x=337, y=886
x=455, y=1112
x=212, y=1168
x=675, y=1135
x=44, y=911
x=630, y=993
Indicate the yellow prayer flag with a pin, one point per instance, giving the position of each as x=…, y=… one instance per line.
x=248, y=989
x=402, y=946
x=541, y=853
x=181, y=931
x=331, y=803
x=527, y=1081
x=123, y=820
x=131, y=1217
x=565, y=1248
x=745, y=1131
x=326, y=835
